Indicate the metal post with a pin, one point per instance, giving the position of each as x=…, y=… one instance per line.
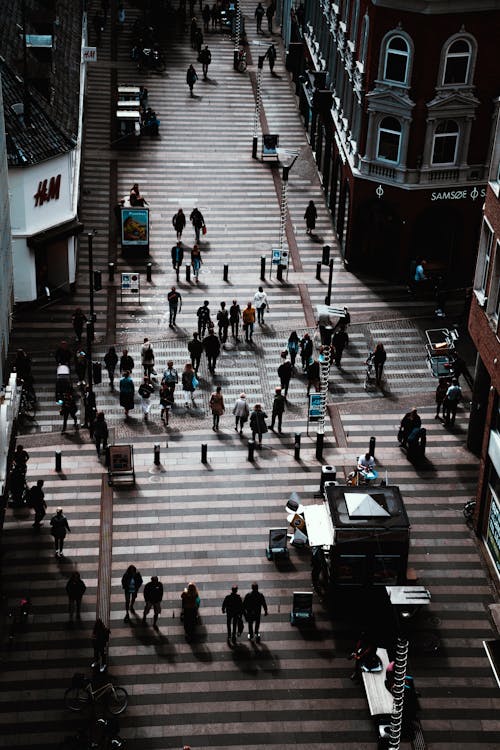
x=251, y=449
x=283, y=205
x=237, y=34
x=318, y=270
x=225, y=274
x=256, y=116
x=326, y=255
x=328, y=297
x=328, y=474
x=320, y=439
x=204, y=449
x=279, y=272
x=90, y=237
x=149, y=271
x=111, y=271
x=262, y=267
x=157, y=454
x=188, y=272
x=371, y=446
x=296, y=446
x=58, y=460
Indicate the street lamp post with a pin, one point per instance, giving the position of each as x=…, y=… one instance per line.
x=90, y=334
x=256, y=116
x=237, y=33
x=325, y=376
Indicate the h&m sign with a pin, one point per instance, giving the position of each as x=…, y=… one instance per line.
x=48, y=190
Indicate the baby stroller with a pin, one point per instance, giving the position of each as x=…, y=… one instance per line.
x=370, y=371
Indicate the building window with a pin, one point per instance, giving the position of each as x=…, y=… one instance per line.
x=484, y=259
x=457, y=63
x=396, y=62
x=444, y=148
x=364, y=39
x=389, y=140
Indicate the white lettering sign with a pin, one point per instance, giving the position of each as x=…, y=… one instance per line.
x=458, y=195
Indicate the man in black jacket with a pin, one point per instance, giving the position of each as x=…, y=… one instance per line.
x=253, y=604
x=195, y=349
x=232, y=607
x=211, y=344
x=153, y=594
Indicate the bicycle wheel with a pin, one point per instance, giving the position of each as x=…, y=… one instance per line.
x=76, y=698
x=117, y=700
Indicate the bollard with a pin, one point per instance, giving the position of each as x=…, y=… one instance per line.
x=371, y=447
x=297, y=446
x=204, y=448
x=279, y=272
x=225, y=274
x=254, y=147
x=188, y=272
x=320, y=439
x=58, y=460
x=318, y=271
x=328, y=474
x=328, y=298
x=111, y=271
x=157, y=454
x=326, y=255
x=149, y=271
x=262, y=267
x=251, y=449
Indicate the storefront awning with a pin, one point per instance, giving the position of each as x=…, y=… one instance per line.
x=60, y=232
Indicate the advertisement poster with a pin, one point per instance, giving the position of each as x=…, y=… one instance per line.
x=135, y=227
x=120, y=458
x=315, y=407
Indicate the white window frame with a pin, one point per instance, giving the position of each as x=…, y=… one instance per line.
x=406, y=55
x=386, y=130
x=437, y=135
x=448, y=55
x=470, y=40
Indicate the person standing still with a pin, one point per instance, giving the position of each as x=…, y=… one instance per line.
x=131, y=584
x=110, y=362
x=232, y=607
x=253, y=604
x=153, y=594
x=177, y=254
x=234, y=319
x=59, y=527
x=217, y=408
x=179, y=222
x=248, y=321
x=75, y=589
x=241, y=412
x=442, y=387
x=261, y=304
x=279, y=404
x=79, y=320
x=223, y=322
x=310, y=216
x=174, y=299
x=37, y=502
x=126, y=362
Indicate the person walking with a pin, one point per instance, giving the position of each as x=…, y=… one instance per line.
x=223, y=322
x=100, y=640
x=442, y=387
x=81, y=366
x=311, y=214
x=190, y=603
x=248, y=317
x=131, y=584
x=234, y=319
x=63, y=354
x=189, y=384
x=258, y=423
x=241, y=412
x=450, y=403
x=270, y=11
x=101, y=433
x=110, y=362
x=313, y=375
x=79, y=319
x=271, y=56
x=196, y=262
x=259, y=15
x=170, y=376
x=75, y=589
x=148, y=358
x=211, y=345
x=127, y=391
x=198, y=222
x=293, y=347
x=59, y=528
x=279, y=404
x=198, y=41
x=410, y=425
x=340, y=340
x=177, y=254
x=205, y=57
x=306, y=350
x=203, y=314
x=206, y=15
x=37, y=502
x=232, y=607
x=195, y=349
x=69, y=408
x=217, y=407
x=153, y=594
x=191, y=78
x=261, y=303
x=146, y=388
x=174, y=299
x=179, y=223
x=126, y=362
x=253, y=604
x=379, y=357
x=166, y=395
x=285, y=373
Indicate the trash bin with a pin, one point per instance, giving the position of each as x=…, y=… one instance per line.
x=328, y=474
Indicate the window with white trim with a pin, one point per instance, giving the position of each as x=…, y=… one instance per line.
x=389, y=140
x=494, y=291
x=457, y=63
x=396, y=60
x=445, y=142
x=484, y=258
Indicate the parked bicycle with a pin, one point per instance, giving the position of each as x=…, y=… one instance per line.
x=81, y=694
x=469, y=510
x=27, y=401
x=102, y=735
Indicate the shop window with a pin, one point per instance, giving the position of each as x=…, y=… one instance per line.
x=484, y=259
x=389, y=140
x=457, y=63
x=396, y=60
x=444, y=148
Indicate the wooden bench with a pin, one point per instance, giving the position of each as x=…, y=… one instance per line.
x=380, y=700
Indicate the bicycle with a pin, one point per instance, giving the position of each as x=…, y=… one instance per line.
x=469, y=510
x=102, y=735
x=81, y=694
x=27, y=401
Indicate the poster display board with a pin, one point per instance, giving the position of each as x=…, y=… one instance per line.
x=121, y=464
x=134, y=228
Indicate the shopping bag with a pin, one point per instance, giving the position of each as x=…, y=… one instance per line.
x=204, y=229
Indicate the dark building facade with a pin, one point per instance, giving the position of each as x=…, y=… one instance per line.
x=398, y=99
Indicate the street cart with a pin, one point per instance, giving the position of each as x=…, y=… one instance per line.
x=440, y=350
x=127, y=130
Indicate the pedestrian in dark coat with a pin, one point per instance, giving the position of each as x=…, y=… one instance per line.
x=127, y=390
x=198, y=222
x=310, y=216
x=232, y=607
x=203, y=314
x=306, y=350
x=259, y=15
x=211, y=345
x=100, y=639
x=217, y=408
x=59, y=527
x=340, y=340
x=153, y=594
x=68, y=408
x=177, y=254
x=271, y=56
x=205, y=58
x=442, y=387
x=253, y=604
x=189, y=384
x=379, y=357
x=285, y=373
x=63, y=354
x=131, y=584
x=81, y=363
x=198, y=40
x=37, y=502
x=110, y=362
x=279, y=404
x=313, y=375
x=234, y=318
x=270, y=11
x=195, y=349
x=192, y=32
x=75, y=589
x=258, y=422
x=101, y=433
x=79, y=320
x=174, y=299
x=293, y=347
x=206, y=14
x=223, y=321
x=126, y=362
x=191, y=78
x=179, y=222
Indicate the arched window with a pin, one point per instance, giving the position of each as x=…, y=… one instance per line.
x=457, y=62
x=444, y=147
x=389, y=140
x=365, y=30
x=396, y=61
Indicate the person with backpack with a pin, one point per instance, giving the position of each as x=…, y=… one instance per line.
x=59, y=527
x=232, y=607
x=170, y=376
